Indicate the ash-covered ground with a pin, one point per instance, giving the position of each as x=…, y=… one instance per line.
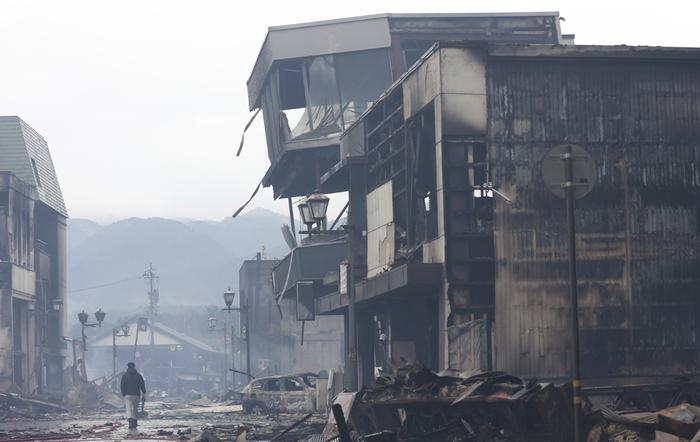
x=162, y=421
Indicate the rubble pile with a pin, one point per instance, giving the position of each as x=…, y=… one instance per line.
x=418, y=404
x=15, y=405
x=680, y=423
x=91, y=395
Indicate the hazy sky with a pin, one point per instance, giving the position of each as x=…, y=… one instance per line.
x=142, y=102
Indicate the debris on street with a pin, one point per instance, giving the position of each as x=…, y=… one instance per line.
x=417, y=404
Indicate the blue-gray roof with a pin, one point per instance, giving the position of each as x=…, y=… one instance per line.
x=25, y=153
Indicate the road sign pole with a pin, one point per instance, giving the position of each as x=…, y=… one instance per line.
x=568, y=184
x=572, y=181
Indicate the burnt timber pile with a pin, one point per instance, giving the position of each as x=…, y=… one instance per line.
x=417, y=404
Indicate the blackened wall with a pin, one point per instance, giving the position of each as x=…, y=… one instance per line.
x=276, y=345
x=638, y=231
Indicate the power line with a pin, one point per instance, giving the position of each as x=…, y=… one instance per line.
x=84, y=289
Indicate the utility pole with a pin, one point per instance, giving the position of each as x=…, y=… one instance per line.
x=152, y=279
x=248, y=333
x=153, y=295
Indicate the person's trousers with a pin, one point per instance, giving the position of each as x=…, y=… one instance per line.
x=132, y=406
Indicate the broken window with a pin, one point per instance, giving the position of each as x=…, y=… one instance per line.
x=293, y=385
x=424, y=182
x=309, y=380
x=272, y=385
x=321, y=96
x=362, y=77
x=322, y=116
x=413, y=50
x=292, y=94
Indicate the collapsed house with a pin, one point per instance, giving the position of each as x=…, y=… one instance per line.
x=33, y=264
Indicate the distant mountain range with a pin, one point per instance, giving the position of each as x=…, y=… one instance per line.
x=195, y=260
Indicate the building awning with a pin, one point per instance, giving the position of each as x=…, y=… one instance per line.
x=401, y=282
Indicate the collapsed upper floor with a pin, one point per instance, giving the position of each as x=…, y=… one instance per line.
x=313, y=80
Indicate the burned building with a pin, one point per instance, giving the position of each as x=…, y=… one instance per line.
x=636, y=111
x=278, y=343
x=312, y=82
x=466, y=251
x=32, y=264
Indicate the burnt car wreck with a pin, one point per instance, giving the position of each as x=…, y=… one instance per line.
x=453, y=251
x=291, y=393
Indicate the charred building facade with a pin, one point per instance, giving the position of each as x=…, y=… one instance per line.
x=453, y=156
x=455, y=246
x=32, y=264
x=325, y=76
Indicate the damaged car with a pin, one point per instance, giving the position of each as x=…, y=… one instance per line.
x=289, y=393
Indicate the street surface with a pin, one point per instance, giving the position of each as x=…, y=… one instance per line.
x=164, y=421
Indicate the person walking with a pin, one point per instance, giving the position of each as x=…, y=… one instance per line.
x=133, y=386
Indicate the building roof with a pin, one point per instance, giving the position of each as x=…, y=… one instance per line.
x=163, y=336
x=655, y=53
x=25, y=153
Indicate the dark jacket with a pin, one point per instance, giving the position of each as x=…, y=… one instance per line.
x=132, y=383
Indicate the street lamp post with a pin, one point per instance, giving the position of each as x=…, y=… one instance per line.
x=122, y=331
x=229, y=296
x=83, y=318
x=212, y=328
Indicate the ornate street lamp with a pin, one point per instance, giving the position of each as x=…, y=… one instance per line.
x=212, y=322
x=100, y=316
x=318, y=204
x=83, y=318
x=229, y=296
x=56, y=305
x=306, y=216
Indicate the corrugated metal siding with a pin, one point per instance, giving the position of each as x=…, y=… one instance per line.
x=638, y=230
x=19, y=144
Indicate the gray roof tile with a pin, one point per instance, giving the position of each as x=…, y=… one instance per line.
x=25, y=153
